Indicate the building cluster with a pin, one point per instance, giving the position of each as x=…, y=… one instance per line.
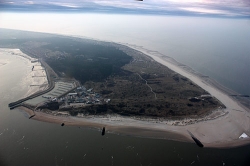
x=80, y=96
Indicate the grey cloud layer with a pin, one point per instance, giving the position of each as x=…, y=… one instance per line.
x=187, y=7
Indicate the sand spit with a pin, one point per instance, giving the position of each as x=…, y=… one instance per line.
x=223, y=131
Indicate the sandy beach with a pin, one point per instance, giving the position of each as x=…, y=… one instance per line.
x=223, y=131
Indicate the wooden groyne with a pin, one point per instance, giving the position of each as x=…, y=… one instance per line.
x=103, y=131
x=196, y=140
x=51, y=86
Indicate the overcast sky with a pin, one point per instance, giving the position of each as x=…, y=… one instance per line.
x=228, y=8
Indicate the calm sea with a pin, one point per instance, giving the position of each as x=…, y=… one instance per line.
x=25, y=141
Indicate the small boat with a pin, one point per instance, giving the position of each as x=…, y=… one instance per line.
x=103, y=131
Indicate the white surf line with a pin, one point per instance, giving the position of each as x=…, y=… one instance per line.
x=147, y=85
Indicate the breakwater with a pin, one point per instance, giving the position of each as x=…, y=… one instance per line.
x=16, y=103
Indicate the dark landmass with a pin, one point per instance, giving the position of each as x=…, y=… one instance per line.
x=134, y=83
x=172, y=95
x=81, y=59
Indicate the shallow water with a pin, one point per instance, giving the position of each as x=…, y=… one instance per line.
x=25, y=141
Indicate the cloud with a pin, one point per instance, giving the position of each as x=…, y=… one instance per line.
x=10, y=2
x=29, y=2
x=206, y=11
x=124, y=4
x=228, y=8
x=69, y=5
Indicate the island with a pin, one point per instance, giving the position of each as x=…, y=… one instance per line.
x=127, y=89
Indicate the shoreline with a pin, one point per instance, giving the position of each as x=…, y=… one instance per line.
x=93, y=122
x=126, y=127
x=222, y=132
